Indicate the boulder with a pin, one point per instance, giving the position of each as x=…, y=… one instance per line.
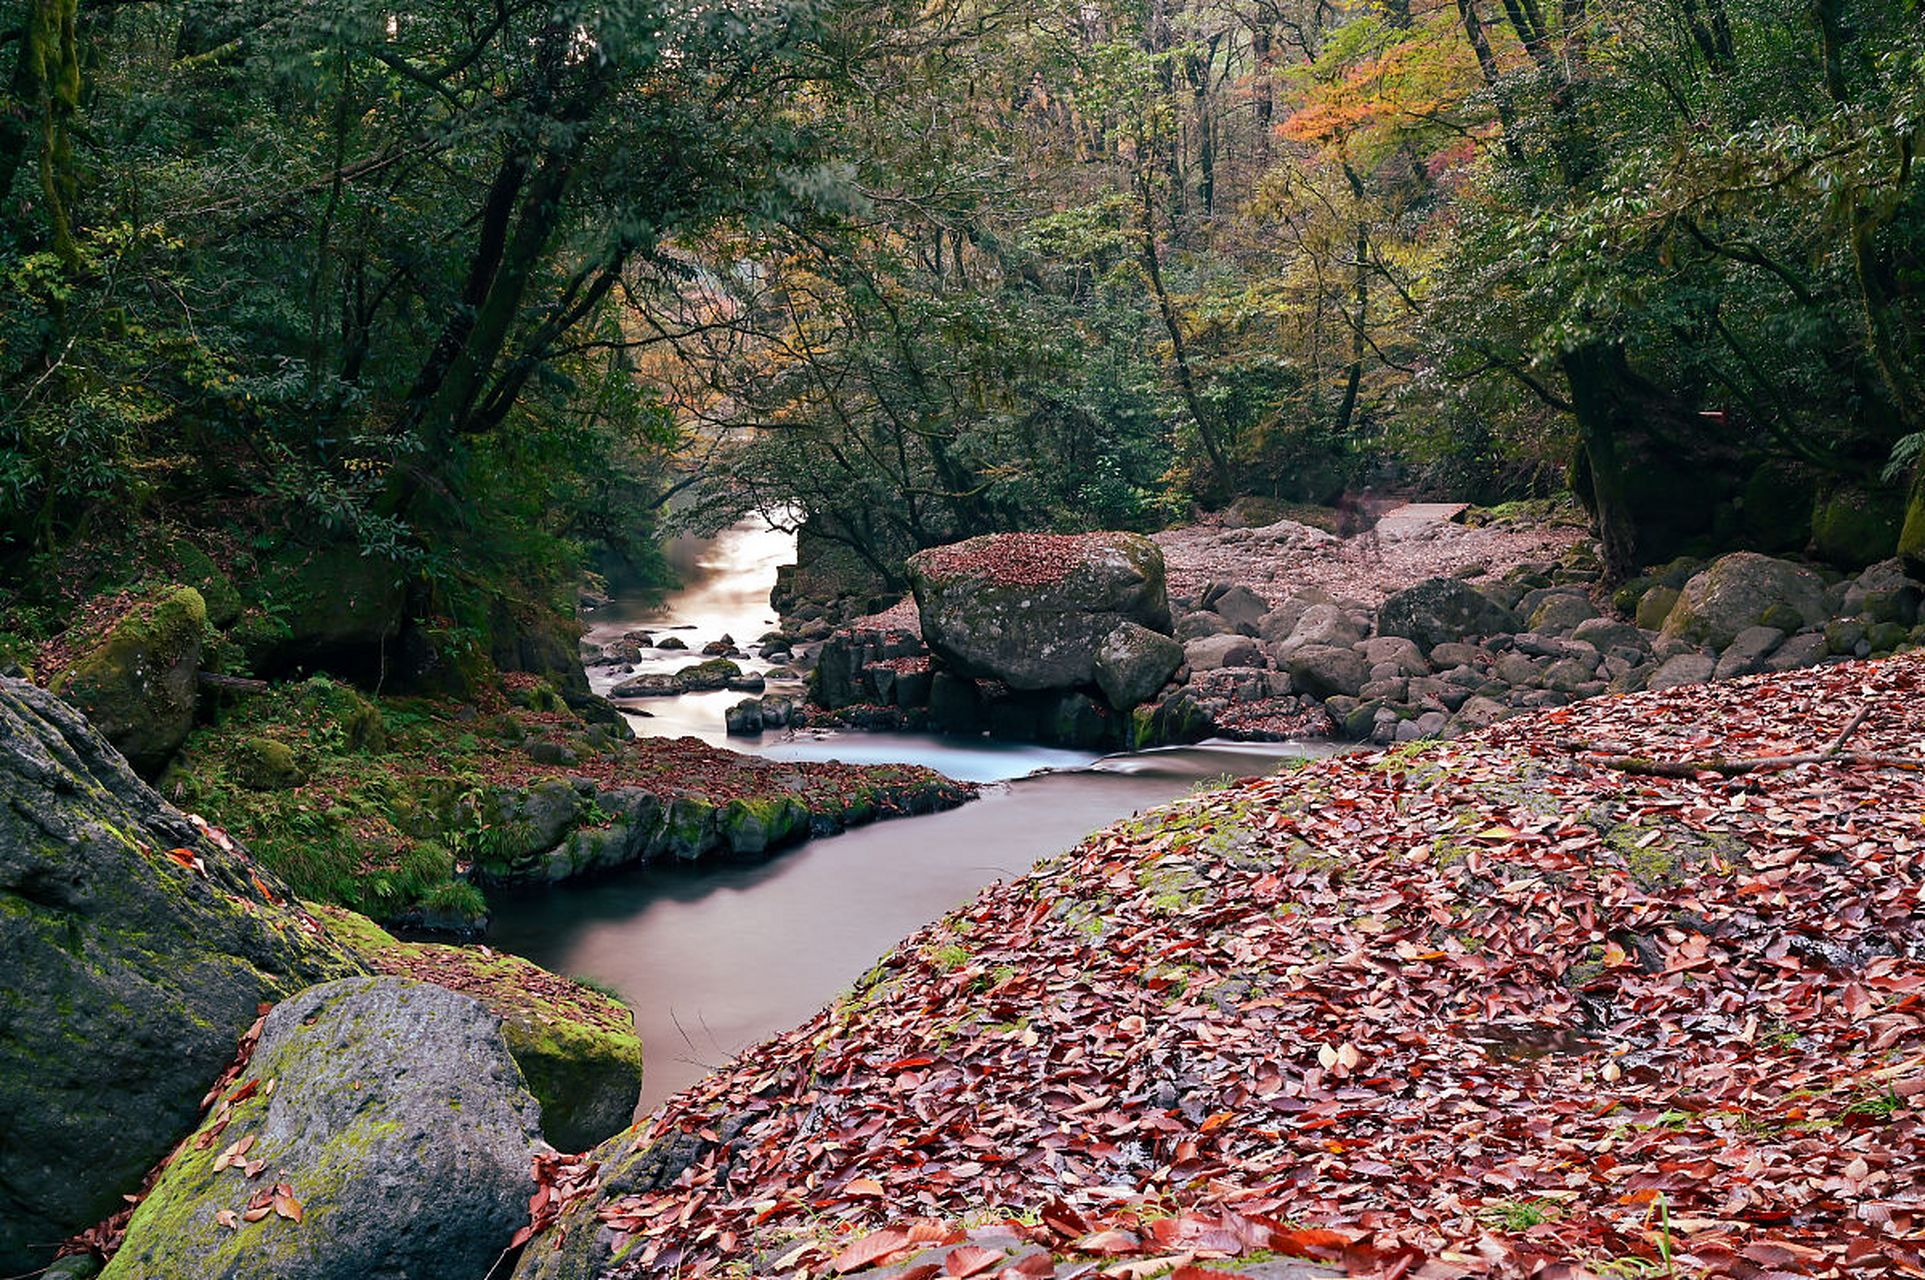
x=576, y=1047
x=1853, y=526
x=266, y=764
x=1031, y=610
x=744, y=719
x=757, y=824
x=707, y=676
x=1608, y=633
x=650, y=684
x=1884, y=593
x=1446, y=657
x=777, y=710
x=1194, y=626
x=1397, y=651
x=138, y=682
x=1655, y=606
x=136, y=947
x=1683, y=669
x=671, y=642
x=1324, y=624
x=1748, y=651
x=1133, y=663
x=1242, y=608
x=1561, y=612
x=1323, y=670
x=1739, y=591
x=1442, y=610
x=398, y=1122
x=1212, y=652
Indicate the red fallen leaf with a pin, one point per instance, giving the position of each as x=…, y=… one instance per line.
x=921, y=1271
x=1064, y=1220
x=1110, y=1242
x=870, y=1250
x=266, y=893
x=904, y=1064
x=1312, y=1242
x=1035, y=1266
x=970, y=1260
x=245, y=1092
x=188, y=859
x=285, y=1204
x=862, y=1187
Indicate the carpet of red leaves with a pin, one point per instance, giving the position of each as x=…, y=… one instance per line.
x=1486, y=1007
x=1012, y=559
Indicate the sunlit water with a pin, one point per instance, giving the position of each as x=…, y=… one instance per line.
x=715, y=956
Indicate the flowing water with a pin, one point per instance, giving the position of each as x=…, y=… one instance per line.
x=716, y=956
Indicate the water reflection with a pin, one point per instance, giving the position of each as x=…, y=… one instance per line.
x=717, y=956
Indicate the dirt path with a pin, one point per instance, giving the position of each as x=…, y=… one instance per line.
x=1413, y=541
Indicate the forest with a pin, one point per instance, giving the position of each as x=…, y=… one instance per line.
x=490, y=293
x=1122, y=639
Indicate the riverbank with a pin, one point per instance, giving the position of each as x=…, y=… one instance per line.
x=1477, y=1007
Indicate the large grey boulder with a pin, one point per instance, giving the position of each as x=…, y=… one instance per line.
x=1320, y=624
x=1325, y=670
x=136, y=949
x=1397, y=651
x=1745, y=589
x=1133, y=662
x=1683, y=669
x=1884, y=593
x=1031, y=610
x=397, y=1121
x=1213, y=652
x=1444, y=610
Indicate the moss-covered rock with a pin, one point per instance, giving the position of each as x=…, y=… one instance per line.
x=264, y=764
x=138, y=683
x=1737, y=591
x=136, y=946
x=758, y=824
x=398, y=1124
x=1655, y=605
x=197, y=569
x=576, y=1047
x=1853, y=526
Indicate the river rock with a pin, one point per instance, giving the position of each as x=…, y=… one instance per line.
x=671, y=642
x=1323, y=670
x=1740, y=590
x=1748, y=652
x=1441, y=611
x=1683, y=669
x=1807, y=649
x=1396, y=651
x=707, y=676
x=1609, y=633
x=1133, y=663
x=129, y=976
x=1195, y=626
x=777, y=710
x=1242, y=608
x=1031, y=610
x=1883, y=593
x=744, y=719
x=398, y=1121
x=1319, y=624
x=650, y=684
x=1213, y=652
x=1561, y=611
x=138, y=683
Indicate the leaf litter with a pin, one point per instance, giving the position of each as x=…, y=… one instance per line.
x=1484, y=1007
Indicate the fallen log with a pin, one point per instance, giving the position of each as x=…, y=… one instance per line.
x=1832, y=753
x=230, y=684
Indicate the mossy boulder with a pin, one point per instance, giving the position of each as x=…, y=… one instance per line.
x=197, y=569
x=1853, y=526
x=136, y=948
x=758, y=824
x=265, y=764
x=138, y=682
x=398, y=1122
x=1444, y=610
x=1739, y=591
x=1032, y=610
x=1655, y=605
x=706, y=677
x=576, y=1047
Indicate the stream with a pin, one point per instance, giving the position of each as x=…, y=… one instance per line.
x=715, y=956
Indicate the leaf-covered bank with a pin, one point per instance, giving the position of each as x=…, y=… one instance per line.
x=1488, y=1005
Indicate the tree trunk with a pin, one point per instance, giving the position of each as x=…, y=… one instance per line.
x=1179, y=354
x=1608, y=408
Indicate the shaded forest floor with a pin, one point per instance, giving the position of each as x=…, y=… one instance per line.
x=1497, y=1006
